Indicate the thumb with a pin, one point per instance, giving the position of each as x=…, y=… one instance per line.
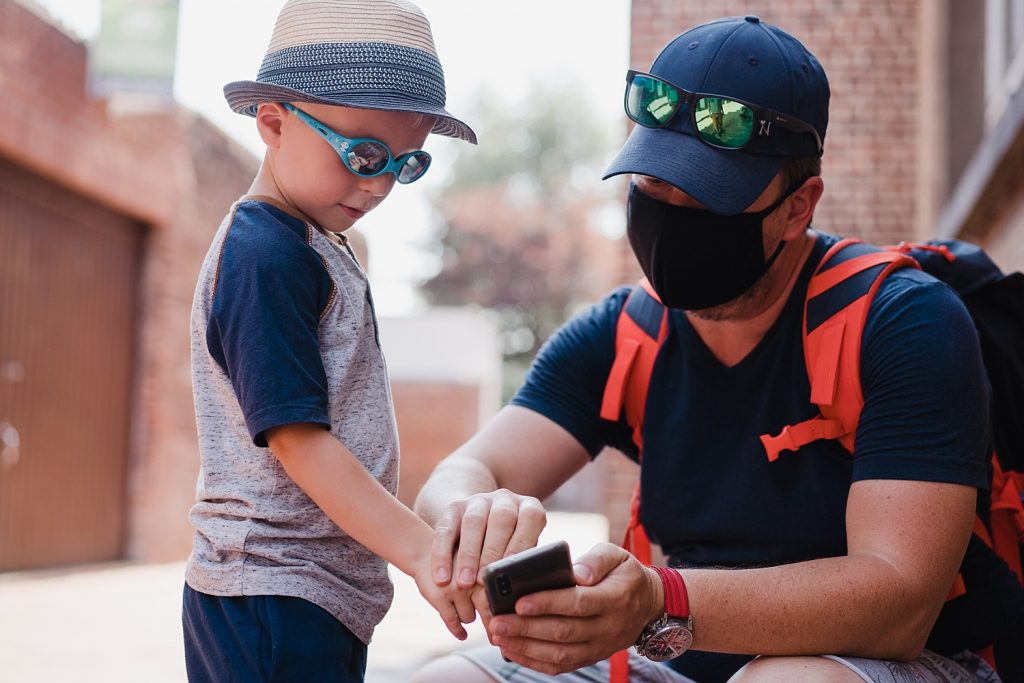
x=591, y=567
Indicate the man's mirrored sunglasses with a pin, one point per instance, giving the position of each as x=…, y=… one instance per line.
x=722, y=122
x=368, y=157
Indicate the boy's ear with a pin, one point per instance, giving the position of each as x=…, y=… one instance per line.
x=269, y=119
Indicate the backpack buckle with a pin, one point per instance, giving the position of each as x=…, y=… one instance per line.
x=792, y=437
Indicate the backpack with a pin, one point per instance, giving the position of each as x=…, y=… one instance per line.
x=838, y=298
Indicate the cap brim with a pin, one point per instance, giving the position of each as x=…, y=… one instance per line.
x=725, y=181
x=245, y=96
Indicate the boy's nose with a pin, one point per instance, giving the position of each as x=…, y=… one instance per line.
x=378, y=185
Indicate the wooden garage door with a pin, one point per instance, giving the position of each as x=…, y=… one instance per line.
x=68, y=281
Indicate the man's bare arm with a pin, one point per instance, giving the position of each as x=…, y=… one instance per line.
x=905, y=541
x=484, y=498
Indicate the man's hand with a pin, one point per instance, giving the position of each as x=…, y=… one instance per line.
x=558, y=631
x=481, y=529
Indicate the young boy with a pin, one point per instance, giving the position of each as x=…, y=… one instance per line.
x=287, y=577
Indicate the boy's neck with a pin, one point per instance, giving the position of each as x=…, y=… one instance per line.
x=264, y=187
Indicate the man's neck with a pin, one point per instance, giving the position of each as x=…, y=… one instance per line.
x=733, y=334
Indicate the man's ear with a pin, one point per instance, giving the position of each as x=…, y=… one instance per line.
x=801, y=207
x=269, y=119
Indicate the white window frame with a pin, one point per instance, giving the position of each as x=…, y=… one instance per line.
x=1004, y=56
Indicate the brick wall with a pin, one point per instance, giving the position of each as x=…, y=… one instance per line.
x=148, y=167
x=868, y=51
x=434, y=418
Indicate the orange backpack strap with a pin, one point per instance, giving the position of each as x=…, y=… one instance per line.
x=635, y=541
x=835, y=312
x=1006, y=518
x=641, y=329
x=639, y=332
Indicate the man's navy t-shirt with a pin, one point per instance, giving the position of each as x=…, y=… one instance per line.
x=710, y=496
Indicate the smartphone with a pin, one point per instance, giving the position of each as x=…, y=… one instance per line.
x=547, y=567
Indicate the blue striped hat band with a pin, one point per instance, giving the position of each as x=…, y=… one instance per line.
x=370, y=68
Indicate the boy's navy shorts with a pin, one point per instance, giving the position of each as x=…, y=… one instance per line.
x=267, y=638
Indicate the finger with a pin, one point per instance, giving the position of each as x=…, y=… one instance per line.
x=594, y=565
x=464, y=608
x=547, y=657
x=471, y=538
x=483, y=607
x=450, y=617
x=562, y=630
x=579, y=601
x=530, y=522
x=446, y=535
x=501, y=524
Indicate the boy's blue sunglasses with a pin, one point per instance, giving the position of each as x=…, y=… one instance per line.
x=368, y=157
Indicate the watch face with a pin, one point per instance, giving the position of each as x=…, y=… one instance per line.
x=668, y=642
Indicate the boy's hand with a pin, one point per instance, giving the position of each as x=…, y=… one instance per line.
x=454, y=604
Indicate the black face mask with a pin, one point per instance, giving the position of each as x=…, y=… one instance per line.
x=694, y=258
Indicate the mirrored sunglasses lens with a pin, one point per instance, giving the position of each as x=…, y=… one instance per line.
x=651, y=102
x=414, y=167
x=723, y=122
x=368, y=158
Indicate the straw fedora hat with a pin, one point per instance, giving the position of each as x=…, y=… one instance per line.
x=368, y=54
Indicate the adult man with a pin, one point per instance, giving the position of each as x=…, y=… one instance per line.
x=833, y=567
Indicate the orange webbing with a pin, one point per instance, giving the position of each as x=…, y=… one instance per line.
x=626, y=390
x=832, y=353
x=635, y=541
x=1007, y=518
x=619, y=667
x=625, y=354
x=792, y=437
x=825, y=280
x=635, y=353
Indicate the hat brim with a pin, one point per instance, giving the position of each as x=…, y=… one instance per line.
x=245, y=96
x=725, y=181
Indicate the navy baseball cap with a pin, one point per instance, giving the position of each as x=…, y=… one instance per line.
x=734, y=57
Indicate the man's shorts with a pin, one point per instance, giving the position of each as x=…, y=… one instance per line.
x=928, y=668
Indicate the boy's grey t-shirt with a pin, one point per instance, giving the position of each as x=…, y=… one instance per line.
x=283, y=331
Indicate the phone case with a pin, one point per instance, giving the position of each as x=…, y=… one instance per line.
x=547, y=567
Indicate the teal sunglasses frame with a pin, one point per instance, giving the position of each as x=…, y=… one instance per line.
x=344, y=146
x=689, y=101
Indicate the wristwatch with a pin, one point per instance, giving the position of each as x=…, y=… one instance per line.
x=671, y=634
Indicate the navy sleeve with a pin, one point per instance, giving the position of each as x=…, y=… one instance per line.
x=566, y=380
x=263, y=329
x=926, y=409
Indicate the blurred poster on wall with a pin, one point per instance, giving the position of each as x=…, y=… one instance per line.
x=133, y=56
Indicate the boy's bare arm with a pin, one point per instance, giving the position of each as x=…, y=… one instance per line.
x=339, y=484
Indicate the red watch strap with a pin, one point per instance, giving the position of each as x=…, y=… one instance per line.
x=677, y=603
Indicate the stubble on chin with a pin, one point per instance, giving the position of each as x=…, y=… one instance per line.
x=749, y=304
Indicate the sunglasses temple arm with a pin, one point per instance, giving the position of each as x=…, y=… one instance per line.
x=795, y=125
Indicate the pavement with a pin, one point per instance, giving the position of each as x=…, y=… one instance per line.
x=121, y=622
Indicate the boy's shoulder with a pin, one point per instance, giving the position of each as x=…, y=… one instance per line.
x=261, y=245
x=259, y=232
x=261, y=222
